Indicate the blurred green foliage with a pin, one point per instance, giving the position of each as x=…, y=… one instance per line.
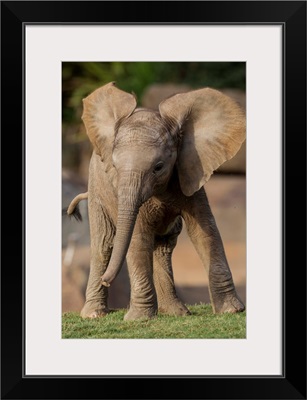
x=81, y=78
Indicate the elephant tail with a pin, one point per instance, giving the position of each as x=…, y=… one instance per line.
x=73, y=209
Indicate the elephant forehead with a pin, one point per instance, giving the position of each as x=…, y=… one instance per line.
x=142, y=127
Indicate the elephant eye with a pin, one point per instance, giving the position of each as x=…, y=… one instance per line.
x=158, y=167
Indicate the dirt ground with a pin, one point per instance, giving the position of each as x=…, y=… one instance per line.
x=227, y=197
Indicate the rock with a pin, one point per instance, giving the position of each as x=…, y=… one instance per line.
x=155, y=93
x=236, y=94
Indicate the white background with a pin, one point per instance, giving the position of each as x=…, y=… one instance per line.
x=46, y=353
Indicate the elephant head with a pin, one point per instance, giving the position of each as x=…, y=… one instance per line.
x=194, y=132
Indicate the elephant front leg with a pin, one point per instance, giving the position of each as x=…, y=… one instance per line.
x=168, y=301
x=102, y=234
x=96, y=297
x=143, y=300
x=207, y=241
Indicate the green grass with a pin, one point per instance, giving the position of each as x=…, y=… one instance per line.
x=202, y=324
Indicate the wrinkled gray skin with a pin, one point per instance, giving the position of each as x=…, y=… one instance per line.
x=146, y=173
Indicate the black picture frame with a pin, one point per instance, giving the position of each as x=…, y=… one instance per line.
x=291, y=15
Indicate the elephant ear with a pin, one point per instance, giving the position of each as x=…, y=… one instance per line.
x=211, y=128
x=102, y=110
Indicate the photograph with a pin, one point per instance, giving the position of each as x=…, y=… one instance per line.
x=153, y=193
x=160, y=151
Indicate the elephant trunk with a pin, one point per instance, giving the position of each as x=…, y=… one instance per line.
x=128, y=206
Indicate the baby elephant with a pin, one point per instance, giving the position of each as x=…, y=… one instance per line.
x=147, y=172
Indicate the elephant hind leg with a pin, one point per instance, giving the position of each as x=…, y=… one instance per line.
x=207, y=241
x=168, y=301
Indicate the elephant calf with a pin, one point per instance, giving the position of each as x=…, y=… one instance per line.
x=147, y=172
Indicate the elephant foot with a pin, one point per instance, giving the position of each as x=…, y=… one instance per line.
x=140, y=313
x=174, y=308
x=229, y=303
x=94, y=311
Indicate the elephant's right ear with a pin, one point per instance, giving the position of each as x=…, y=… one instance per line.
x=102, y=109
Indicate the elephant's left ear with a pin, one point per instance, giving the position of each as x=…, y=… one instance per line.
x=212, y=127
